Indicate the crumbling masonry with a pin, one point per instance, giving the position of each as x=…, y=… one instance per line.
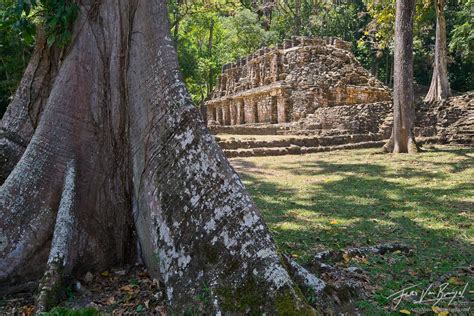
x=315, y=90
x=288, y=82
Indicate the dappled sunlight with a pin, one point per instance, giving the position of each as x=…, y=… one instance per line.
x=358, y=198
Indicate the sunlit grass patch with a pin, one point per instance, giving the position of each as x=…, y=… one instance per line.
x=358, y=198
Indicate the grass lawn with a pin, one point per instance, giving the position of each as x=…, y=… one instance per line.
x=358, y=198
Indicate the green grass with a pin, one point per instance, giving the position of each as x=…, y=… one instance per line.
x=356, y=198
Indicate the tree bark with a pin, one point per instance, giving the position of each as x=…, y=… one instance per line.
x=23, y=114
x=209, y=55
x=439, y=88
x=402, y=139
x=297, y=18
x=119, y=157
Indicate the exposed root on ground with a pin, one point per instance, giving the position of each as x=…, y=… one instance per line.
x=468, y=270
x=50, y=288
x=412, y=146
x=60, y=261
x=128, y=290
x=388, y=147
x=339, y=255
x=309, y=284
x=333, y=287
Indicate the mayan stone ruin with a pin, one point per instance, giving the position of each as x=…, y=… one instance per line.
x=285, y=83
x=316, y=88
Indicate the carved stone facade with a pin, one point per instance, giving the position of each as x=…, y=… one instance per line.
x=288, y=82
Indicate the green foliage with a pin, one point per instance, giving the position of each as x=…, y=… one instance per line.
x=460, y=20
x=244, y=34
x=462, y=34
x=18, y=22
x=55, y=16
x=343, y=21
x=58, y=17
x=211, y=33
x=16, y=45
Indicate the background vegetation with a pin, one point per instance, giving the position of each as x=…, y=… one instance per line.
x=211, y=33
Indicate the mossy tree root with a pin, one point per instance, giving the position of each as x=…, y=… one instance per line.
x=413, y=146
x=339, y=255
x=340, y=285
x=61, y=256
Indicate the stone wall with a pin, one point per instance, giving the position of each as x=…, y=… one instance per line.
x=451, y=120
x=290, y=81
x=353, y=119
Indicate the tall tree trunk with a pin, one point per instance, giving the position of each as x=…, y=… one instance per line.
x=402, y=140
x=388, y=67
x=297, y=18
x=209, y=54
x=439, y=88
x=120, y=155
x=178, y=18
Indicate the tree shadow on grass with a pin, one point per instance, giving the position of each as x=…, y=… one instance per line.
x=368, y=204
x=464, y=152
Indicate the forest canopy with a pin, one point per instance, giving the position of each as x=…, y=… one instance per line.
x=211, y=33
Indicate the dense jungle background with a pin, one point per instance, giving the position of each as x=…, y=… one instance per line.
x=211, y=33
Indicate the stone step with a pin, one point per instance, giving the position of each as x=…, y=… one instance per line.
x=299, y=141
x=297, y=150
x=465, y=131
x=250, y=129
x=300, y=150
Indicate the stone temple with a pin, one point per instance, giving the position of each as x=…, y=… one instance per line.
x=290, y=81
x=313, y=95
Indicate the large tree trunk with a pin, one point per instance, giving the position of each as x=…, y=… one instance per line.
x=119, y=155
x=402, y=139
x=439, y=88
x=23, y=114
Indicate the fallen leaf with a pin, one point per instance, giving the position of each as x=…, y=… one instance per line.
x=455, y=281
x=435, y=309
x=334, y=222
x=127, y=288
x=404, y=311
x=105, y=273
x=363, y=260
x=27, y=310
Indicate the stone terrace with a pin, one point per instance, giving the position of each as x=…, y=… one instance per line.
x=315, y=93
x=285, y=83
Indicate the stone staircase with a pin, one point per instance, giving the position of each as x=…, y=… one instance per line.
x=298, y=145
x=449, y=121
x=462, y=132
